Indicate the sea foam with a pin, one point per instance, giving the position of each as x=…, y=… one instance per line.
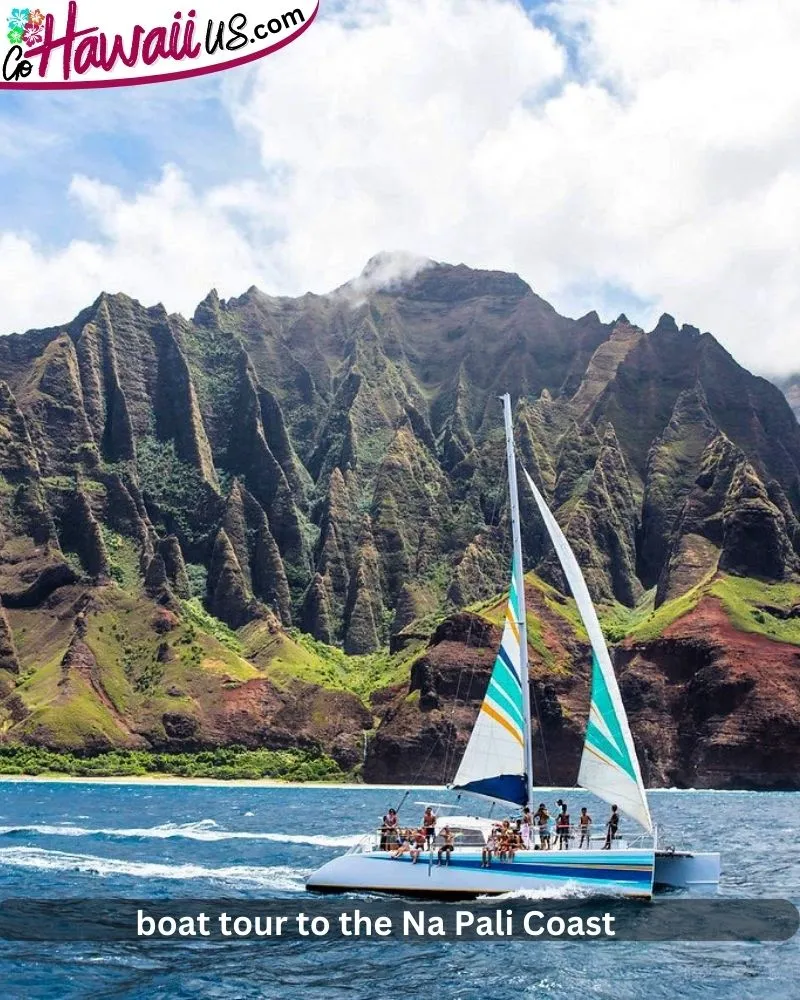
x=205, y=830
x=276, y=877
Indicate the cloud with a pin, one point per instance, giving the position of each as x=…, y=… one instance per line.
x=634, y=156
x=385, y=271
x=168, y=243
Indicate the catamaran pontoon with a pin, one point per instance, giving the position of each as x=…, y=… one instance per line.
x=497, y=764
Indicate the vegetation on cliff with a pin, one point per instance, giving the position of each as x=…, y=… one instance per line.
x=251, y=527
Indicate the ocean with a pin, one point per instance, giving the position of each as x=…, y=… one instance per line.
x=67, y=839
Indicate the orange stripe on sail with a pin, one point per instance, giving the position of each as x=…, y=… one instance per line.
x=512, y=623
x=499, y=718
x=601, y=756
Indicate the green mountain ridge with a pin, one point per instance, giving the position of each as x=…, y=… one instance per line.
x=213, y=530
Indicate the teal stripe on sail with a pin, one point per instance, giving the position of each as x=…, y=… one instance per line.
x=505, y=668
x=504, y=703
x=601, y=702
x=494, y=760
x=507, y=683
x=513, y=598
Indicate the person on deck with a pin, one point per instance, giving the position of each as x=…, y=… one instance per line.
x=429, y=825
x=389, y=830
x=562, y=827
x=448, y=843
x=405, y=843
x=488, y=850
x=418, y=844
x=511, y=843
x=526, y=829
x=542, y=820
x=611, y=828
x=501, y=845
x=586, y=827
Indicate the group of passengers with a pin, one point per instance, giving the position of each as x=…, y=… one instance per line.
x=413, y=842
x=505, y=839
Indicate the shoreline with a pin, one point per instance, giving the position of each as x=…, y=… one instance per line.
x=172, y=779
x=167, y=780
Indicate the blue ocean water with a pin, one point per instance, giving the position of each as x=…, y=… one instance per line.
x=64, y=839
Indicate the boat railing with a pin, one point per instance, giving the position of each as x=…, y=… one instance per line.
x=380, y=839
x=369, y=842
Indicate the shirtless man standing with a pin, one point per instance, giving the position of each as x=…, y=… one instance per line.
x=429, y=825
x=586, y=827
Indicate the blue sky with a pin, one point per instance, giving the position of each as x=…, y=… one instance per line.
x=610, y=152
x=121, y=137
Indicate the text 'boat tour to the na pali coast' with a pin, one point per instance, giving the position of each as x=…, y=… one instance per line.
x=460, y=856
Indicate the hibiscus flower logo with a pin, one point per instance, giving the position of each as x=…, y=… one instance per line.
x=18, y=19
x=33, y=34
x=25, y=26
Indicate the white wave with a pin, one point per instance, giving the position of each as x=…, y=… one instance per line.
x=316, y=839
x=279, y=877
x=205, y=830
x=569, y=890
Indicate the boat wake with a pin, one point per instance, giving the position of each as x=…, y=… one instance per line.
x=204, y=830
x=278, y=877
x=569, y=890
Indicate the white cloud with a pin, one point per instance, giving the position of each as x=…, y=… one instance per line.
x=167, y=244
x=667, y=165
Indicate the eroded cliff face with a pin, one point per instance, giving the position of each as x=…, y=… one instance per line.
x=335, y=465
x=710, y=705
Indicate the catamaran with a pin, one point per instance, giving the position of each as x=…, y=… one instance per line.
x=498, y=765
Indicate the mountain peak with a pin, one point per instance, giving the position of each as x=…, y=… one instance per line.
x=386, y=271
x=666, y=324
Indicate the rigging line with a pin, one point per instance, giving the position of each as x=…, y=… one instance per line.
x=402, y=802
x=436, y=745
x=541, y=733
x=449, y=746
x=535, y=703
x=451, y=731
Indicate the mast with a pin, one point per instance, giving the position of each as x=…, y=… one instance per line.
x=519, y=586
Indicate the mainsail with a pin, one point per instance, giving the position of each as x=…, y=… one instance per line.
x=609, y=766
x=494, y=761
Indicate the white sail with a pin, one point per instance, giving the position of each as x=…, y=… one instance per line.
x=494, y=761
x=609, y=766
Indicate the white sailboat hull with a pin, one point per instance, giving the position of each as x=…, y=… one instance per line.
x=592, y=872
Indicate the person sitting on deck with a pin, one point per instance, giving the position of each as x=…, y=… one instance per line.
x=448, y=843
x=562, y=827
x=510, y=844
x=404, y=846
x=488, y=850
x=418, y=841
x=611, y=828
x=586, y=827
x=429, y=825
